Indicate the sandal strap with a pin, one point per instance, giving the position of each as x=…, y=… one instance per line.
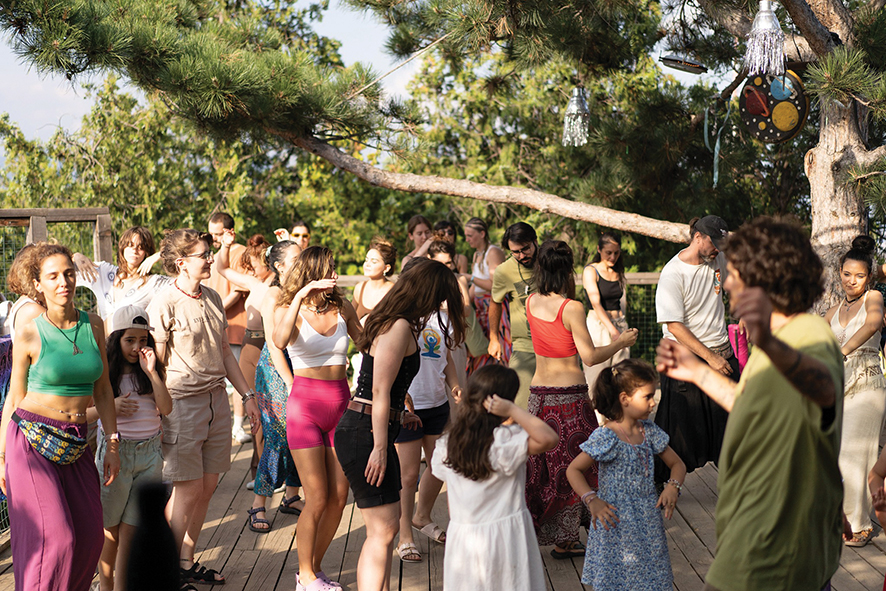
x=255, y=510
x=290, y=500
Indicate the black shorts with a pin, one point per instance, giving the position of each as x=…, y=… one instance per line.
x=433, y=422
x=353, y=444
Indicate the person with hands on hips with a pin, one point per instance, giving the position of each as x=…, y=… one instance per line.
x=783, y=434
x=46, y=468
x=625, y=509
x=364, y=438
x=689, y=306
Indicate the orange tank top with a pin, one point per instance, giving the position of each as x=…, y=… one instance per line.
x=549, y=337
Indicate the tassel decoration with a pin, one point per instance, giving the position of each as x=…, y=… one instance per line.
x=577, y=120
x=765, y=52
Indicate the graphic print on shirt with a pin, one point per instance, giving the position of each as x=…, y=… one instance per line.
x=717, y=281
x=430, y=343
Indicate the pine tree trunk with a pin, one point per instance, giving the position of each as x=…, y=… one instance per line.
x=838, y=213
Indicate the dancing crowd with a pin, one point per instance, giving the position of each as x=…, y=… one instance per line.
x=523, y=400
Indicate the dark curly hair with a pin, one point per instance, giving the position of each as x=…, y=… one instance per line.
x=776, y=255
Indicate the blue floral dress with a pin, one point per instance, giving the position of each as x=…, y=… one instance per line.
x=634, y=554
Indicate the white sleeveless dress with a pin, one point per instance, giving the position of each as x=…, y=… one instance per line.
x=864, y=404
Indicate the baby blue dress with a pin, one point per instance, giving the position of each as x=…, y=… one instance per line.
x=634, y=554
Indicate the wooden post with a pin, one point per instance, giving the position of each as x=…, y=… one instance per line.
x=37, y=230
x=102, y=240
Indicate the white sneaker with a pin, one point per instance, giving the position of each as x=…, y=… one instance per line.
x=241, y=436
x=250, y=485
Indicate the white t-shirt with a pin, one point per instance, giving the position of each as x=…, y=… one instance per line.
x=428, y=388
x=693, y=295
x=103, y=288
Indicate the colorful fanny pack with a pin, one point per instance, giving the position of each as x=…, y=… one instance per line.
x=54, y=444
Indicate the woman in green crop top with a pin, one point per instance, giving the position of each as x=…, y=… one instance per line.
x=58, y=369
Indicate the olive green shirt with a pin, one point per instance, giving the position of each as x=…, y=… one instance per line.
x=779, y=515
x=513, y=281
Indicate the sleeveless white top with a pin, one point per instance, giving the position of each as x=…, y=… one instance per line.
x=480, y=270
x=862, y=366
x=312, y=349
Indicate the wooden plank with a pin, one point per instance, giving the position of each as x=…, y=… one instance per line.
x=440, y=515
x=102, y=238
x=698, y=517
x=685, y=577
x=561, y=573
x=844, y=581
x=56, y=214
x=697, y=554
x=866, y=575
x=37, y=231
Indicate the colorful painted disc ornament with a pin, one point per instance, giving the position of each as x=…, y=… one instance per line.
x=774, y=108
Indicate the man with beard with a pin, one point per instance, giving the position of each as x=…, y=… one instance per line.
x=689, y=306
x=512, y=281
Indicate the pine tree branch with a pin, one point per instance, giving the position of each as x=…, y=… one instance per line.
x=871, y=157
x=538, y=200
x=835, y=17
x=807, y=21
x=878, y=4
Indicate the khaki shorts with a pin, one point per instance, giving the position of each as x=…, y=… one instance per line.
x=524, y=364
x=197, y=436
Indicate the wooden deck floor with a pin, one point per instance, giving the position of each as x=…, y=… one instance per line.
x=268, y=562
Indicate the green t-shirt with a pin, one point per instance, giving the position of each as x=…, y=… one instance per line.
x=779, y=515
x=513, y=281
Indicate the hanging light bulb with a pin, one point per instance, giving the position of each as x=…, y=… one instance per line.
x=577, y=120
x=765, y=53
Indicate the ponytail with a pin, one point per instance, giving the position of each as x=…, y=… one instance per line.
x=625, y=376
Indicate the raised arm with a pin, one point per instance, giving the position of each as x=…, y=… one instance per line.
x=355, y=329
x=677, y=361
x=286, y=328
x=574, y=321
x=241, y=280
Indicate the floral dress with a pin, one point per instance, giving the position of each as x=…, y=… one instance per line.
x=634, y=554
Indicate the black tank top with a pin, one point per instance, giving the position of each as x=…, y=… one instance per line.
x=610, y=293
x=408, y=370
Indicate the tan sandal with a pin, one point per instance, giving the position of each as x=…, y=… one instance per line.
x=408, y=552
x=860, y=538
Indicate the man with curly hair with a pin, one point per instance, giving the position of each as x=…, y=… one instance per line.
x=779, y=516
x=689, y=306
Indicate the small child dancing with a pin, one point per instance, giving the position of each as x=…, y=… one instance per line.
x=629, y=549
x=491, y=543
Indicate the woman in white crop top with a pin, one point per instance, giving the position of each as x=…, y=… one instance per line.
x=313, y=324
x=856, y=322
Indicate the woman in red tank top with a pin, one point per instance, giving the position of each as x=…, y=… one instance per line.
x=559, y=395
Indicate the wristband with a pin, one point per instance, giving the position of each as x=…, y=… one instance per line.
x=114, y=437
x=676, y=484
x=591, y=494
x=250, y=394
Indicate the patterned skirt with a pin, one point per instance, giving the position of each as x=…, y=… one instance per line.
x=481, y=305
x=276, y=465
x=557, y=512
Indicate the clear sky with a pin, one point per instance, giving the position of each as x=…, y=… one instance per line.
x=41, y=103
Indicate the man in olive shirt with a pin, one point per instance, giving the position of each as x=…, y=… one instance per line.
x=779, y=512
x=512, y=281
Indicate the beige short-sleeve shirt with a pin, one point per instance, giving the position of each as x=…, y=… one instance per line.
x=194, y=332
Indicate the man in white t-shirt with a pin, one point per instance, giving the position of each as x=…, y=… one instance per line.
x=689, y=306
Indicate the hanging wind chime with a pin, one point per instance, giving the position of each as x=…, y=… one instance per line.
x=577, y=120
x=765, y=52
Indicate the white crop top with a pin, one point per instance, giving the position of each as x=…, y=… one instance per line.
x=311, y=349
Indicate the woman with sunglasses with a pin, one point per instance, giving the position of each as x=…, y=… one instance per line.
x=447, y=230
x=189, y=327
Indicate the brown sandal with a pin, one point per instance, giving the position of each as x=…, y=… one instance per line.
x=860, y=538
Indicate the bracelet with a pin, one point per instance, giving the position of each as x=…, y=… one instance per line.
x=591, y=494
x=676, y=484
x=114, y=437
x=250, y=394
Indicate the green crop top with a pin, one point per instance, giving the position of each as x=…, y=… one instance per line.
x=58, y=371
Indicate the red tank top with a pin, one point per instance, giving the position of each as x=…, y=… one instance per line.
x=549, y=337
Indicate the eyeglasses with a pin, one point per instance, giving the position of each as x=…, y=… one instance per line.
x=205, y=255
x=523, y=251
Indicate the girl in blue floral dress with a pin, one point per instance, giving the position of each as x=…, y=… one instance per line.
x=626, y=547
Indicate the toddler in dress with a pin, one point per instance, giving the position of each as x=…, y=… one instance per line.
x=491, y=543
x=628, y=550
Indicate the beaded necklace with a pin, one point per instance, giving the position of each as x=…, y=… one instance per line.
x=640, y=448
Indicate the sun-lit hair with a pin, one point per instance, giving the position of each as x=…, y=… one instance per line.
x=19, y=280
x=277, y=254
x=619, y=266
x=387, y=251
x=147, y=244
x=862, y=250
x=625, y=376
x=422, y=288
x=415, y=221
x=439, y=244
x=178, y=243
x=32, y=265
x=471, y=432
x=314, y=263
x=257, y=247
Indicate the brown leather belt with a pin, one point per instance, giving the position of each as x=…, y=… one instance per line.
x=366, y=409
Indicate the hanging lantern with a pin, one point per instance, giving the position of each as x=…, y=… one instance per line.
x=765, y=53
x=577, y=120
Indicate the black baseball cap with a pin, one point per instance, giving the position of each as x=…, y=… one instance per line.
x=715, y=227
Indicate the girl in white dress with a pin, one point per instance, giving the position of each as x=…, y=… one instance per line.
x=491, y=542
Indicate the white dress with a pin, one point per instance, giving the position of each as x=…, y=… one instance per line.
x=490, y=542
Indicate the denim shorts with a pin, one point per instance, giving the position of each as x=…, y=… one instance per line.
x=433, y=422
x=353, y=444
x=140, y=461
